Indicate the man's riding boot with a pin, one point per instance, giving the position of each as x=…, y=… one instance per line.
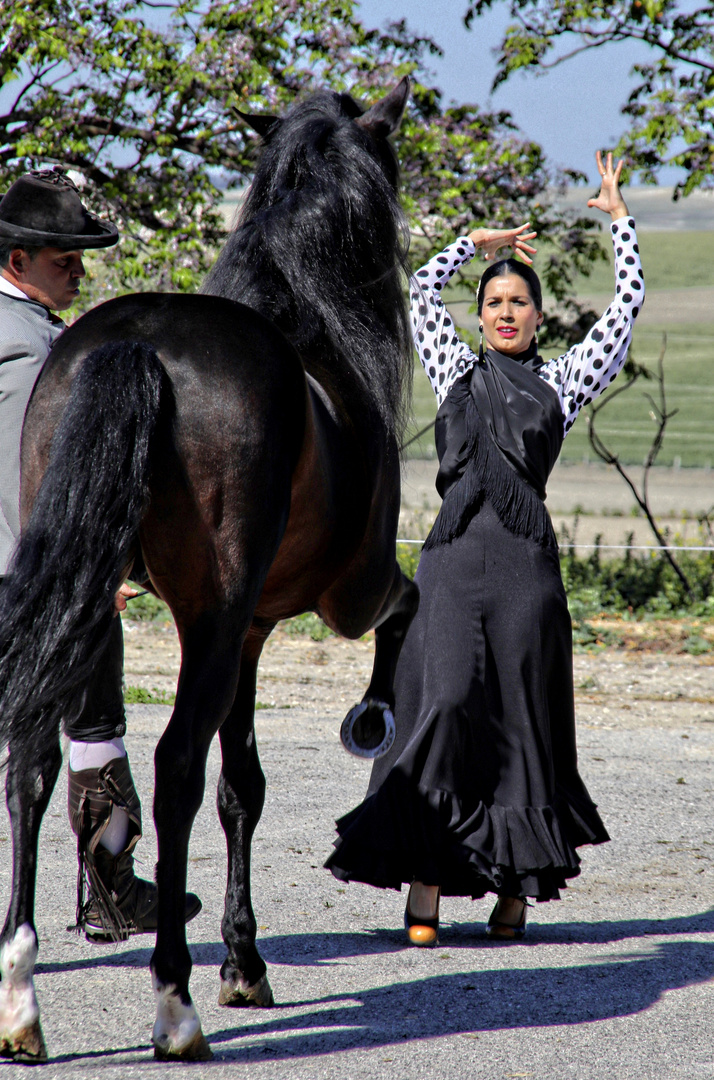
x=117, y=903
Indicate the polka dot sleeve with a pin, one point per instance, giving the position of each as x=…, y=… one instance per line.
x=581, y=374
x=444, y=356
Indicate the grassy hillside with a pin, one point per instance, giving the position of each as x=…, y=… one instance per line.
x=674, y=263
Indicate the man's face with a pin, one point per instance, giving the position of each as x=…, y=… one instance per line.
x=52, y=277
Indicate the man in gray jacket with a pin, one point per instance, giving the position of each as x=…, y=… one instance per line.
x=44, y=230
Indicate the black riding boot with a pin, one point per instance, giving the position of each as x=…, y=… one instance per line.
x=117, y=902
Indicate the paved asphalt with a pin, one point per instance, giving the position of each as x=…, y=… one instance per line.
x=615, y=981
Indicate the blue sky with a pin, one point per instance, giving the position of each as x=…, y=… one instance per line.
x=571, y=111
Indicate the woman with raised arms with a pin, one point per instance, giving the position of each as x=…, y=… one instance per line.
x=480, y=792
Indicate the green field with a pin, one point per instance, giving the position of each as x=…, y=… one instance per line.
x=673, y=262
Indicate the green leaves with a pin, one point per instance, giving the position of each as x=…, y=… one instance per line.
x=136, y=99
x=671, y=109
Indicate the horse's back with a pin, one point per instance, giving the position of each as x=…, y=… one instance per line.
x=231, y=374
x=220, y=338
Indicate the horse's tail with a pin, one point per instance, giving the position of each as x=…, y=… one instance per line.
x=57, y=603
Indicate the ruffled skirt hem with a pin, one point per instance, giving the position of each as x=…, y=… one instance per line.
x=401, y=834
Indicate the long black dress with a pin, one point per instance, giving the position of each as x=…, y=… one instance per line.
x=480, y=791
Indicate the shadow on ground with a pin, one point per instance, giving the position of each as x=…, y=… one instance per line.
x=317, y=949
x=469, y=1003
x=482, y=1000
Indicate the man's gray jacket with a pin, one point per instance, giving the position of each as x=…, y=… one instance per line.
x=27, y=331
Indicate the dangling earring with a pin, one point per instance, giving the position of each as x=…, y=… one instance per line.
x=480, y=344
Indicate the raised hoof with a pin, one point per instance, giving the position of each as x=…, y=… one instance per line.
x=197, y=1050
x=259, y=996
x=26, y=1046
x=368, y=730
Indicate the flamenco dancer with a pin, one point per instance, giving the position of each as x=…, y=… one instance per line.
x=480, y=792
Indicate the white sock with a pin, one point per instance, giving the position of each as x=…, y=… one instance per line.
x=115, y=835
x=94, y=755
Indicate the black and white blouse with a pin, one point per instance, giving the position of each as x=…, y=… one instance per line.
x=578, y=376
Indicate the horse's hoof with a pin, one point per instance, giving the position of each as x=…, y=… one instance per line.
x=259, y=996
x=368, y=730
x=26, y=1046
x=21, y=1036
x=197, y=1050
x=177, y=1034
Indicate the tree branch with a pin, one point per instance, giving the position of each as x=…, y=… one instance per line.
x=606, y=455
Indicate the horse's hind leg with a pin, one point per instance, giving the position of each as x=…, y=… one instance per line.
x=369, y=730
x=29, y=787
x=241, y=793
x=206, y=690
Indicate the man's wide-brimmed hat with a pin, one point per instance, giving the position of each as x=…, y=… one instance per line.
x=43, y=209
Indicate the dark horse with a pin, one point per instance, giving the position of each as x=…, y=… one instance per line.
x=241, y=447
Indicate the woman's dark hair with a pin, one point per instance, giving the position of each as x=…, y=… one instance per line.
x=512, y=266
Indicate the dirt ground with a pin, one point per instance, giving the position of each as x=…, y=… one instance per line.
x=645, y=681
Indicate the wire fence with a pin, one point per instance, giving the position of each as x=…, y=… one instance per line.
x=611, y=547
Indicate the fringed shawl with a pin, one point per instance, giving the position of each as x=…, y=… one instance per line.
x=498, y=436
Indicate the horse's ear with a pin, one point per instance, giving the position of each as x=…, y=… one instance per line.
x=259, y=122
x=384, y=117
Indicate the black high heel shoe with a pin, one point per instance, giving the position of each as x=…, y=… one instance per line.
x=499, y=931
x=420, y=931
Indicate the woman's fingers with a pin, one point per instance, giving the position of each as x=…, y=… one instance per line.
x=609, y=177
x=516, y=239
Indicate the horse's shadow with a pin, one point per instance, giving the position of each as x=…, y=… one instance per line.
x=312, y=950
x=465, y=1004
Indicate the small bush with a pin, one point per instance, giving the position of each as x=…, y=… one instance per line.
x=408, y=558
x=696, y=645
x=638, y=584
x=147, y=608
x=309, y=623
x=139, y=695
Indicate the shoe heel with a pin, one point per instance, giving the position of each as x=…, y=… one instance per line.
x=498, y=931
x=424, y=933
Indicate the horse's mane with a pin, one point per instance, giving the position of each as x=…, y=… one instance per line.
x=320, y=247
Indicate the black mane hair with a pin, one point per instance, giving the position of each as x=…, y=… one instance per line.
x=320, y=249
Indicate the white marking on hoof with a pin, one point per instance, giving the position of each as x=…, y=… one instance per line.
x=20, y=1031
x=356, y=736
x=258, y=996
x=177, y=1032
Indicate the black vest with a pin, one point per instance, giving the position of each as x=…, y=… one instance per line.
x=498, y=435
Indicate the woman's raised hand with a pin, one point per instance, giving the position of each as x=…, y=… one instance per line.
x=489, y=241
x=610, y=200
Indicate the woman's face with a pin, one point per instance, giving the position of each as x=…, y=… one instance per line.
x=509, y=316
